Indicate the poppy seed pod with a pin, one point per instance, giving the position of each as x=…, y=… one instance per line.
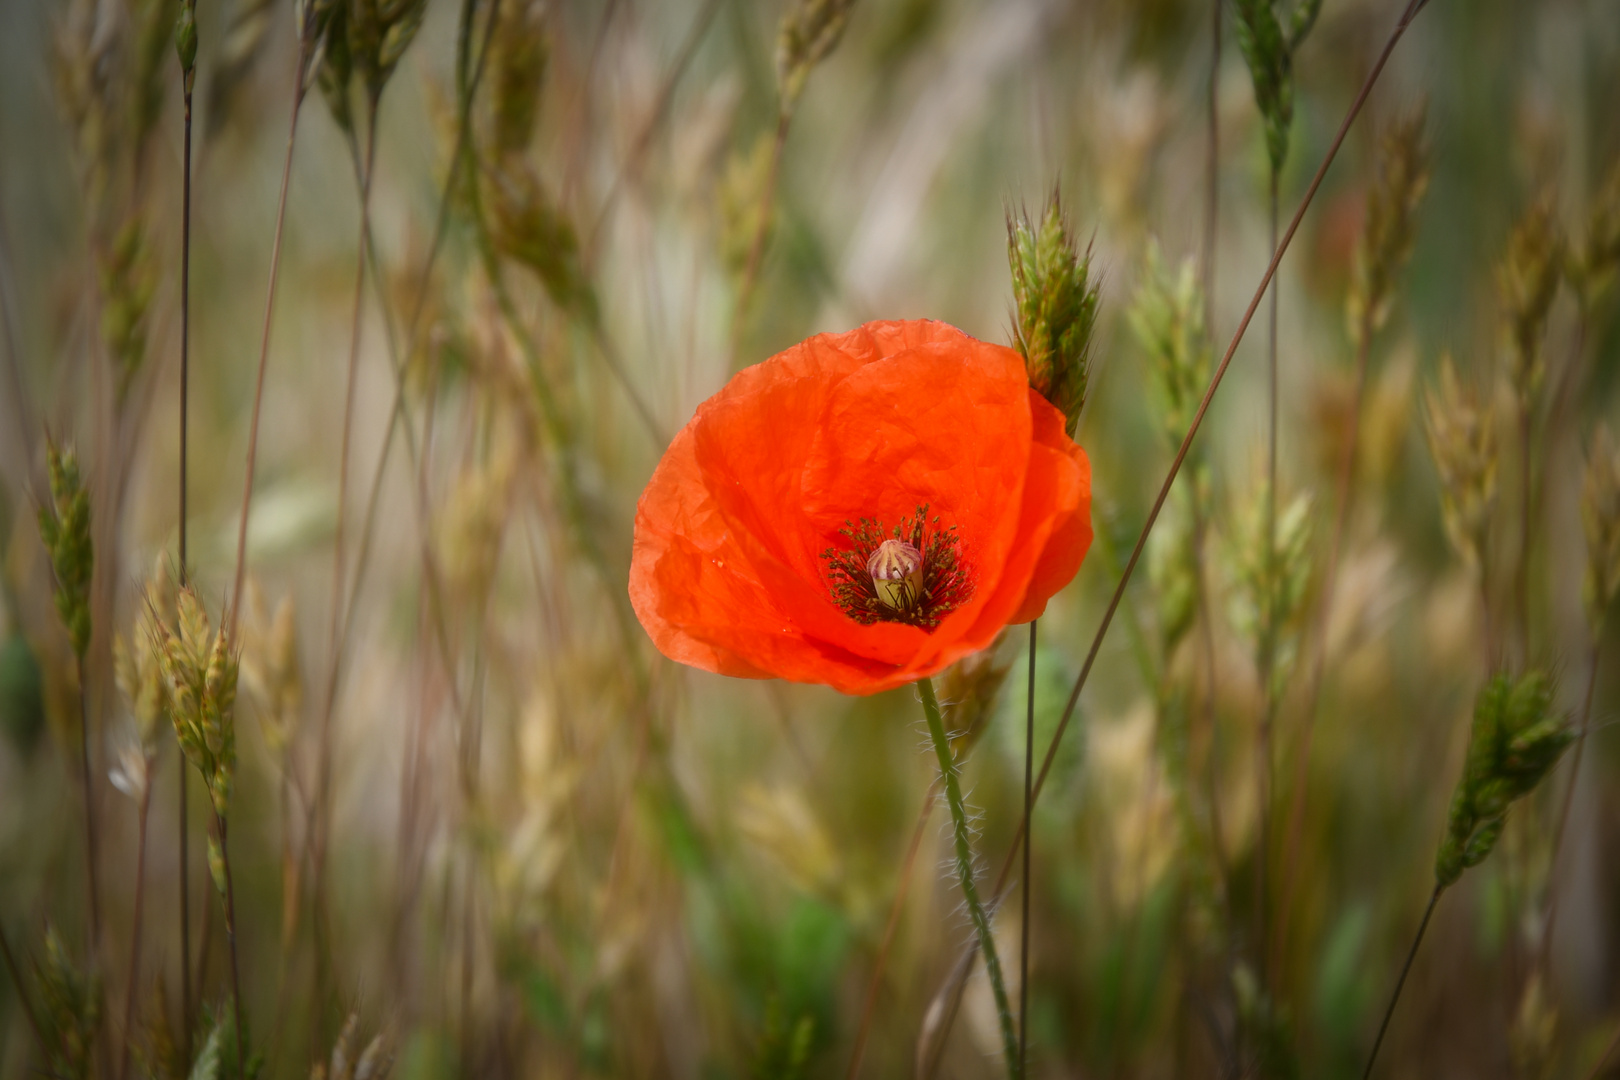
x=763, y=536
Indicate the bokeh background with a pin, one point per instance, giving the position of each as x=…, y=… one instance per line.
x=546, y=850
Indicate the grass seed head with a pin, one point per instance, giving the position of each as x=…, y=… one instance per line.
x=1600, y=515
x=1167, y=316
x=64, y=527
x=810, y=30
x=1461, y=436
x=1054, y=307
x=1514, y=742
x=1391, y=226
x=1528, y=282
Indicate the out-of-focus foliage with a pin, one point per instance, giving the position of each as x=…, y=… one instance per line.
x=480, y=828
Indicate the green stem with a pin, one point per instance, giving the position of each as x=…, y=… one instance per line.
x=1406, y=969
x=230, y=936
x=1029, y=806
x=964, y=873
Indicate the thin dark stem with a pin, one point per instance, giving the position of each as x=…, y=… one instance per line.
x=1206, y=618
x=8, y=335
x=965, y=874
x=1406, y=969
x=1269, y=628
x=1412, y=8
x=1212, y=161
x=1324, y=616
x=902, y=888
x=135, y=933
x=185, y=912
x=184, y=572
x=643, y=139
x=264, y=341
x=1029, y=807
x=185, y=325
x=1212, y=189
x=1405, y=21
x=92, y=885
x=1527, y=493
x=22, y=993
x=323, y=787
x=230, y=938
x=756, y=250
x=1582, y=727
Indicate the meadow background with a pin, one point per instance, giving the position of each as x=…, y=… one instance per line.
x=473, y=807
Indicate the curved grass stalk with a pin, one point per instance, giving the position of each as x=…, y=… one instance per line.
x=1402, y=24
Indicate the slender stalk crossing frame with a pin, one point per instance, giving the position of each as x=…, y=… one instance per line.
x=1402, y=24
x=1406, y=969
x=92, y=885
x=184, y=871
x=1029, y=806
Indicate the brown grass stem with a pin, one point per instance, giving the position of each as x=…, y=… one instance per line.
x=304, y=53
x=1582, y=727
x=1406, y=969
x=19, y=394
x=1269, y=629
x=230, y=938
x=134, y=980
x=1029, y=807
x=643, y=140
x=1206, y=619
x=183, y=815
x=902, y=887
x=22, y=993
x=756, y=249
x=1212, y=166
x=323, y=785
x=1343, y=495
x=1402, y=24
x=92, y=883
x=1526, y=511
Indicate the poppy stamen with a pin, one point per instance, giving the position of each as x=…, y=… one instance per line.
x=913, y=575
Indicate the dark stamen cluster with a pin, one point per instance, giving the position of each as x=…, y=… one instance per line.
x=946, y=584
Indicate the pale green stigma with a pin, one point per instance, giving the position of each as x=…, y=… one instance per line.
x=896, y=568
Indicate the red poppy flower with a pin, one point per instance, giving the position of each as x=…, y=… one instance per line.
x=861, y=510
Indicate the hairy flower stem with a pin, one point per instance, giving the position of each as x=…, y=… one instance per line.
x=183, y=575
x=1407, y=15
x=901, y=889
x=1029, y=807
x=135, y=934
x=1406, y=969
x=1324, y=617
x=964, y=874
x=230, y=938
